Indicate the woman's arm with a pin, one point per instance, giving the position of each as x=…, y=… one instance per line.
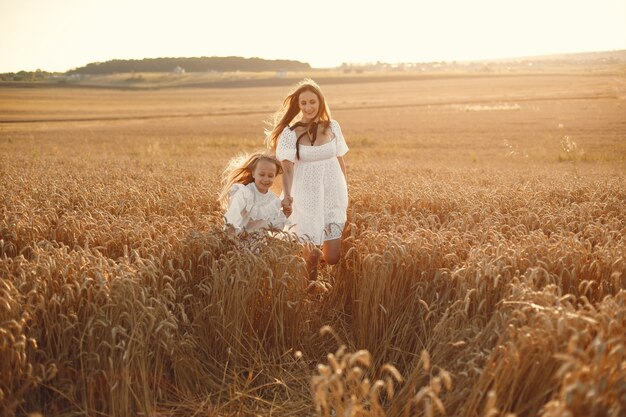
x=287, y=182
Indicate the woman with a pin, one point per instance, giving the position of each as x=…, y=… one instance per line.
x=311, y=152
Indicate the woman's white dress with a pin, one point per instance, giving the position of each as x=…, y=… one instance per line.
x=319, y=190
x=251, y=210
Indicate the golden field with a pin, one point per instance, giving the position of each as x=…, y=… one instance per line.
x=483, y=269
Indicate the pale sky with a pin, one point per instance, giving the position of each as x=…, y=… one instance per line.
x=57, y=35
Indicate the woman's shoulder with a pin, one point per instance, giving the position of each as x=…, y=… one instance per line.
x=335, y=128
x=334, y=124
x=288, y=133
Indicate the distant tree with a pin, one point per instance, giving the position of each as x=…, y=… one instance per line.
x=37, y=75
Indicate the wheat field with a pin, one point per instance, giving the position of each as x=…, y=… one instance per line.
x=483, y=268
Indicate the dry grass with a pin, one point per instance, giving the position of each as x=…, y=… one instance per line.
x=483, y=268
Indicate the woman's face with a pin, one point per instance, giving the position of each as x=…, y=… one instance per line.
x=264, y=174
x=309, y=105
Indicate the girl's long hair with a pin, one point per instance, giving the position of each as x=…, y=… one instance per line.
x=290, y=109
x=239, y=171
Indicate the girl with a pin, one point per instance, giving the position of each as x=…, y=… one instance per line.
x=311, y=152
x=246, y=197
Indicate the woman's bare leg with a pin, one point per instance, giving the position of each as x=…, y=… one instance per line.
x=332, y=251
x=330, y=254
x=313, y=256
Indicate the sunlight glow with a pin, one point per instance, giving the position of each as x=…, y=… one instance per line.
x=59, y=35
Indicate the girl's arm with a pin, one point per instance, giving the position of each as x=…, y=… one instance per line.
x=236, y=211
x=343, y=167
x=287, y=182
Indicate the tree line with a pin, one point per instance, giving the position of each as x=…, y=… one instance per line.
x=201, y=64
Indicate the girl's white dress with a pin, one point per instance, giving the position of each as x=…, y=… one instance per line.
x=319, y=190
x=250, y=210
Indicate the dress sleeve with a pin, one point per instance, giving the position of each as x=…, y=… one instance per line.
x=286, y=147
x=342, y=147
x=279, y=219
x=238, y=209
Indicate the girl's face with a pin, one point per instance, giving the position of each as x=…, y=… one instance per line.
x=264, y=174
x=309, y=105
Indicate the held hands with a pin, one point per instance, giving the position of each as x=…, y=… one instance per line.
x=287, y=205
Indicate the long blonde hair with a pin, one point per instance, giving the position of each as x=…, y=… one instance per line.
x=290, y=109
x=239, y=171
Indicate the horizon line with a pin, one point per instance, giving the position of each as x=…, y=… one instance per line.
x=450, y=60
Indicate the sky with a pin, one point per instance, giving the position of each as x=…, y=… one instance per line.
x=58, y=35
